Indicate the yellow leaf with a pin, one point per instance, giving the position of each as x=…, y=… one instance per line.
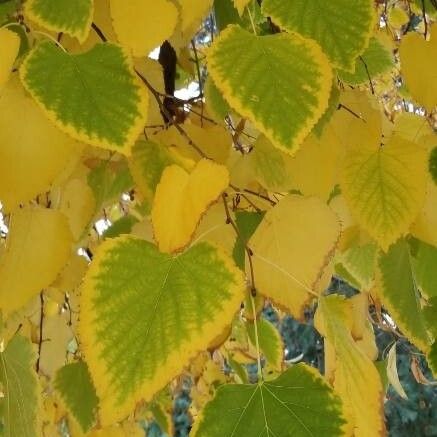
x=425, y=225
x=77, y=204
x=292, y=247
x=128, y=429
x=418, y=67
x=181, y=199
x=142, y=26
x=9, y=46
x=392, y=372
x=321, y=157
x=33, y=152
x=240, y=5
x=385, y=187
x=356, y=378
x=38, y=246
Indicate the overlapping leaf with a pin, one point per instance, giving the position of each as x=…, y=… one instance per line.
x=38, y=247
x=385, y=187
x=180, y=200
x=144, y=314
x=292, y=247
x=244, y=67
x=19, y=404
x=93, y=96
x=298, y=403
x=9, y=46
x=342, y=29
x=72, y=17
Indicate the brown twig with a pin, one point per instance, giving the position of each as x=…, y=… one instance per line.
x=41, y=328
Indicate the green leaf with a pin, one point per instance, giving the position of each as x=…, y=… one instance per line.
x=432, y=358
x=341, y=28
x=425, y=268
x=430, y=313
x=147, y=163
x=20, y=401
x=296, y=66
x=360, y=262
x=217, y=103
x=399, y=294
x=121, y=226
x=334, y=99
x=7, y=9
x=73, y=382
x=375, y=60
x=109, y=181
x=145, y=314
x=433, y=164
x=246, y=222
x=72, y=17
x=270, y=341
x=298, y=403
x=93, y=96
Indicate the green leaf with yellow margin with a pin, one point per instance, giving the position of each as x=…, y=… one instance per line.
x=182, y=198
x=94, y=96
x=398, y=292
x=299, y=403
x=145, y=314
x=356, y=379
x=38, y=247
x=291, y=249
x=82, y=403
x=19, y=402
x=385, y=187
x=424, y=264
x=342, y=28
x=9, y=46
x=297, y=67
x=30, y=158
x=375, y=60
x=67, y=16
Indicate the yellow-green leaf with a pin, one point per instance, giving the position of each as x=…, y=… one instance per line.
x=72, y=17
x=38, y=247
x=180, y=200
x=385, y=187
x=342, y=28
x=31, y=157
x=19, y=403
x=356, y=379
x=292, y=247
x=298, y=68
x=145, y=314
x=417, y=58
x=9, y=46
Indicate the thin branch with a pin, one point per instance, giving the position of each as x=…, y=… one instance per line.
x=341, y=106
x=248, y=250
x=425, y=21
x=199, y=77
x=258, y=352
x=368, y=74
x=41, y=328
x=100, y=34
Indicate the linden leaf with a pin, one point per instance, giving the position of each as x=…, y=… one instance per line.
x=342, y=29
x=19, y=402
x=375, y=60
x=30, y=158
x=425, y=226
x=240, y=5
x=425, y=268
x=432, y=165
x=38, y=247
x=398, y=292
x=71, y=17
x=270, y=341
x=392, y=372
x=9, y=47
x=93, y=96
x=417, y=58
x=356, y=380
x=180, y=200
x=144, y=314
x=82, y=403
x=292, y=246
x=385, y=187
x=296, y=66
x=142, y=26
x=299, y=402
